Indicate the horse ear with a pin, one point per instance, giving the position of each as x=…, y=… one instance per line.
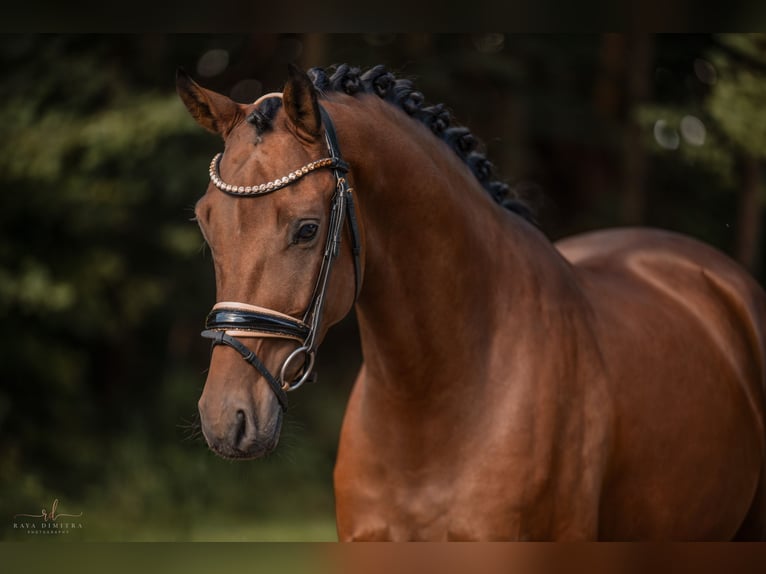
x=211, y=110
x=299, y=99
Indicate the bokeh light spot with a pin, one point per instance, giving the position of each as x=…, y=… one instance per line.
x=705, y=72
x=666, y=135
x=489, y=43
x=693, y=130
x=246, y=91
x=212, y=63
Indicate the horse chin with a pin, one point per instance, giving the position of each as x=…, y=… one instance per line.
x=258, y=450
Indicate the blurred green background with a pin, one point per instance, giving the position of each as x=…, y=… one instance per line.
x=105, y=281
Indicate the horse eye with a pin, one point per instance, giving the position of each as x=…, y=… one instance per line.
x=306, y=233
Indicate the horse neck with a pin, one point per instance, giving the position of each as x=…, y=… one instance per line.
x=443, y=262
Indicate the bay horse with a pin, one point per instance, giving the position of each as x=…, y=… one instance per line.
x=610, y=386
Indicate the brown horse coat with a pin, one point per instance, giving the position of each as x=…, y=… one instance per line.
x=608, y=387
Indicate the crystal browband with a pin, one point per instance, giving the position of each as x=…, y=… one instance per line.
x=272, y=185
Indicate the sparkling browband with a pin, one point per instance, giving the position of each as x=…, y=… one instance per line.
x=266, y=187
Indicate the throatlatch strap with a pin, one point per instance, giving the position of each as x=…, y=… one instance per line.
x=356, y=244
x=221, y=338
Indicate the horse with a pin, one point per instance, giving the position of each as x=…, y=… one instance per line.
x=606, y=387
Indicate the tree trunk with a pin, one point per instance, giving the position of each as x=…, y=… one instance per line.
x=749, y=218
x=314, y=50
x=638, y=64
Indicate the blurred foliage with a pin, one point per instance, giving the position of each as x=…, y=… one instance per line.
x=701, y=136
x=736, y=101
x=104, y=281
x=730, y=107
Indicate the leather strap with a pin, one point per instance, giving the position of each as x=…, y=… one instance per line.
x=356, y=243
x=233, y=319
x=340, y=169
x=221, y=338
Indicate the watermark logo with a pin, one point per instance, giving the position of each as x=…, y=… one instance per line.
x=48, y=521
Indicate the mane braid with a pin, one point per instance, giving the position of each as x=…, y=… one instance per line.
x=402, y=94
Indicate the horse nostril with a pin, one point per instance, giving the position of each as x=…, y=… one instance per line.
x=240, y=428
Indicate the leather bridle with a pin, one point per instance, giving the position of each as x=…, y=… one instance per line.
x=229, y=321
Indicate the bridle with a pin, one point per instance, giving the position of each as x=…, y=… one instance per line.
x=228, y=321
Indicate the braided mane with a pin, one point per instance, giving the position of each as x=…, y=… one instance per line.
x=401, y=93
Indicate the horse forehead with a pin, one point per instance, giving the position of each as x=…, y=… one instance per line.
x=270, y=155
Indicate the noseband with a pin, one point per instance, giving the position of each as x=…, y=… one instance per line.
x=228, y=321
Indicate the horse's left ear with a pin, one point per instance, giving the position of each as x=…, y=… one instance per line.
x=299, y=98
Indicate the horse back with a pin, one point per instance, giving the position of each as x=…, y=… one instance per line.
x=661, y=268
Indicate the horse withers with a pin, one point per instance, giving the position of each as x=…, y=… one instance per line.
x=610, y=386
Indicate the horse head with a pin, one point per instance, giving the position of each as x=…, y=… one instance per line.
x=273, y=216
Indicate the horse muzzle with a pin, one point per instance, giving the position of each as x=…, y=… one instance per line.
x=240, y=437
x=240, y=417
